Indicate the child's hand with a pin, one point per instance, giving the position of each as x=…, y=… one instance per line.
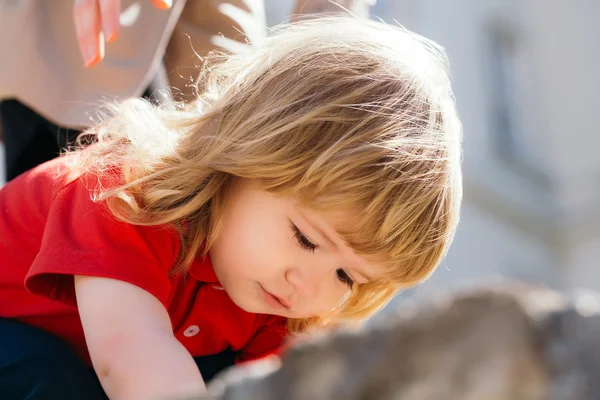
x=97, y=21
x=131, y=342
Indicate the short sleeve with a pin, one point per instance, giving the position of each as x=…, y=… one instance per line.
x=82, y=237
x=268, y=340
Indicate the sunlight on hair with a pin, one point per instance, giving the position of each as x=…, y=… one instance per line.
x=343, y=114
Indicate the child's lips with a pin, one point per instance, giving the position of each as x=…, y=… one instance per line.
x=275, y=301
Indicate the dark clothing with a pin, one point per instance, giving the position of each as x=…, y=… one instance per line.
x=36, y=365
x=29, y=139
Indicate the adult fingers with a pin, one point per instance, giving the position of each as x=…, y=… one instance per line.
x=97, y=20
x=110, y=10
x=88, y=28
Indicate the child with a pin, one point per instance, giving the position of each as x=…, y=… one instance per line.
x=309, y=182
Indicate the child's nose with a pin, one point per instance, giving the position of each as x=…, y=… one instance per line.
x=304, y=283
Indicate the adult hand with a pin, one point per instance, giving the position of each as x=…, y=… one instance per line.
x=97, y=21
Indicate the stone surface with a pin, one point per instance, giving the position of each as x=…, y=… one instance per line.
x=503, y=343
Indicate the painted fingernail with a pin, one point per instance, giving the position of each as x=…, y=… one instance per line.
x=95, y=53
x=91, y=53
x=93, y=61
x=112, y=36
x=110, y=30
x=165, y=4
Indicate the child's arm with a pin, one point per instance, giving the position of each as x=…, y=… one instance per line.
x=131, y=342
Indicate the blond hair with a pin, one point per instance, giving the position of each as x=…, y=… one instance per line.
x=341, y=113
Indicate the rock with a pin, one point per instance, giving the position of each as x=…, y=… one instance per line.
x=513, y=342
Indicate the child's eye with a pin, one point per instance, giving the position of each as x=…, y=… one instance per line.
x=302, y=240
x=345, y=278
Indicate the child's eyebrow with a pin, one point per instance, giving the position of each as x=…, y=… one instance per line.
x=366, y=276
x=361, y=270
x=319, y=231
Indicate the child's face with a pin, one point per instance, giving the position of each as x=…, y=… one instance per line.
x=273, y=257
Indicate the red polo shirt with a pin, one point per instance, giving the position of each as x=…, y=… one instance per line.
x=51, y=230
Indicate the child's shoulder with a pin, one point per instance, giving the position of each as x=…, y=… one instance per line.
x=71, y=205
x=78, y=234
x=45, y=179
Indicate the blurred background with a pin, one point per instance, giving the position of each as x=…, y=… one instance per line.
x=526, y=78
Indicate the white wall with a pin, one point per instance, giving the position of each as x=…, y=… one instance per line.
x=277, y=11
x=583, y=265
x=486, y=247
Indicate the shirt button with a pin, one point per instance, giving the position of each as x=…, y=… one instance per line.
x=191, y=330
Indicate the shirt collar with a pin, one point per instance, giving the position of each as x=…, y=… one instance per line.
x=202, y=270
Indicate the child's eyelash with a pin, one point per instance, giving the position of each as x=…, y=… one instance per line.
x=303, y=240
x=345, y=278
x=306, y=244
